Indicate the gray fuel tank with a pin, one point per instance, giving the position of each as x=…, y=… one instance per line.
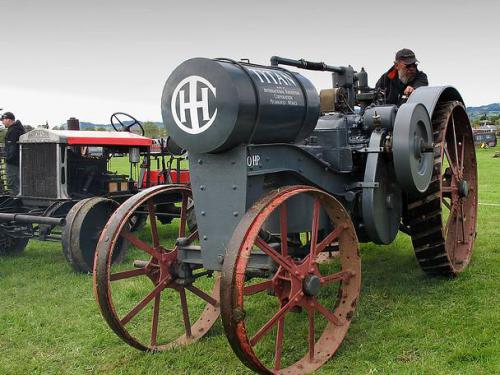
x=209, y=106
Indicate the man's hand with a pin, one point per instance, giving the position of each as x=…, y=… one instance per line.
x=408, y=91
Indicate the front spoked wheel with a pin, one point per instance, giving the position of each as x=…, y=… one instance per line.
x=152, y=301
x=292, y=318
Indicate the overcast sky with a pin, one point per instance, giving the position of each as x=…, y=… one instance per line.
x=90, y=58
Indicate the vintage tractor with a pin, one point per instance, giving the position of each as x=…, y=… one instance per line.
x=68, y=189
x=286, y=183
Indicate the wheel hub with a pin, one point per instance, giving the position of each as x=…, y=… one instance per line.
x=418, y=145
x=311, y=285
x=411, y=147
x=463, y=189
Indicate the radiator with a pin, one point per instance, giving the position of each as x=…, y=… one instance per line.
x=39, y=167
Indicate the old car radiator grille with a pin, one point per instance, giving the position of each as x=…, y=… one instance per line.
x=39, y=170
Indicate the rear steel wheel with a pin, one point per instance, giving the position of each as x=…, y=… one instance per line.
x=152, y=301
x=293, y=319
x=442, y=222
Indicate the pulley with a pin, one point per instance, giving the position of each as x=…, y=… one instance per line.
x=381, y=198
x=412, y=148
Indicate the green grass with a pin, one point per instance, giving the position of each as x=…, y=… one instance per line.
x=406, y=322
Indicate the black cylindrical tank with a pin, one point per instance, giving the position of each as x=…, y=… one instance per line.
x=214, y=105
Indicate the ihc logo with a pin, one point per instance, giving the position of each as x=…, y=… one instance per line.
x=193, y=105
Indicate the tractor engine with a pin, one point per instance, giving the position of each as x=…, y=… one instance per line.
x=373, y=154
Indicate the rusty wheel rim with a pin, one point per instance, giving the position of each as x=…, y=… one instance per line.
x=458, y=181
x=185, y=308
x=303, y=304
x=442, y=221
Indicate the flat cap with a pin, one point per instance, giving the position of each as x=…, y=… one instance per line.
x=406, y=55
x=8, y=115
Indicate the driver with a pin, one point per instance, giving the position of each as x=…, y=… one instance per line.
x=402, y=78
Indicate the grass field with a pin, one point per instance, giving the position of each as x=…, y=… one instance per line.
x=406, y=322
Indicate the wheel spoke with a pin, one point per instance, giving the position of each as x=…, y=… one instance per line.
x=154, y=324
x=455, y=143
x=137, y=308
x=328, y=239
x=339, y=276
x=182, y=225
x=450, y=161
x=278, y=258
x=283, y=230
x=152, y=221
x=327, y=313
x=257, y=288
x=459, y=227
x=310, y=314
x=140, y=244
x=185, y=312
x=266, y=327
x=204, y=296
x=127, y=274
x=462, y=220
x=278, y=347
x=314, y=230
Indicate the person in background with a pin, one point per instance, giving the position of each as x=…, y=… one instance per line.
x=14, y=130
x=402, y=78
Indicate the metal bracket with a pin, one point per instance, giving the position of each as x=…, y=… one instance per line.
x=369, y=150
x=362, y=185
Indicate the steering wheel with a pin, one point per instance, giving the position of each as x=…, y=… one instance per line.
x=120, y=126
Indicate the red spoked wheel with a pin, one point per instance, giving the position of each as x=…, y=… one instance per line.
x=442, y=221
x=151, y=300
x=292, y=319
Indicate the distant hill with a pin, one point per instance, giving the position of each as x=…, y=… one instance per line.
x=84, y=125
x=484, y=109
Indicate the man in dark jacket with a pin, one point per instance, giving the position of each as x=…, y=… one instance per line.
x=402, y=78
x=14, y=131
